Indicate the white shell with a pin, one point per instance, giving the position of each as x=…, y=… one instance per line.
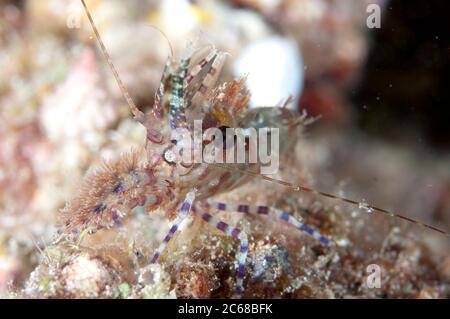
x=274, y=70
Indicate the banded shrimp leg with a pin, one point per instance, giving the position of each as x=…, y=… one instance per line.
x=184, y=219
x=267, y=210
x=242, y=237
x=179, y=224
x=204, y=73
x=191, y=82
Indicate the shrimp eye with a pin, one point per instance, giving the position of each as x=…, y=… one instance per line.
x=169, y=156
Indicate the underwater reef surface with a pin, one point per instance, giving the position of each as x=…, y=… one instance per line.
x=62, y=113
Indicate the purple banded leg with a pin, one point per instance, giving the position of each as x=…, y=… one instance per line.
x=243, y=247
x=179, y=224
x=200, y=80
x=210, y=78
x=265, y=210
x=199, y=64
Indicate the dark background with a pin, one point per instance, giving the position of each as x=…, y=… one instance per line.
x=405, y=84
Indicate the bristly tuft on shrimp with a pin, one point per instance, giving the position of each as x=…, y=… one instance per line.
x=108, y=193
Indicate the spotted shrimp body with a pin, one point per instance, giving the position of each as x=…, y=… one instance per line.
x=151, y=178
